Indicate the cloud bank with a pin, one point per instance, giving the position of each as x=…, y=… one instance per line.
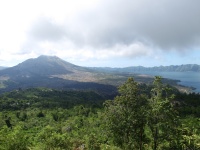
x=166, y=24
x=115, y=28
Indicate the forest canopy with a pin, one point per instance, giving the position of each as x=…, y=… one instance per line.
x=154, y=117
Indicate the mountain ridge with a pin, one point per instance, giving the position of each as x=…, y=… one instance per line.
x=42, y=66
x=49, y=59
x=171, y=68
x=53, y=72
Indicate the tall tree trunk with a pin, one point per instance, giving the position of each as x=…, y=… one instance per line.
x=155, y=139
x=141, y=137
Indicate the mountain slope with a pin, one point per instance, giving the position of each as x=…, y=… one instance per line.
x=1, y=67
x=51, y=72
x=41, y=66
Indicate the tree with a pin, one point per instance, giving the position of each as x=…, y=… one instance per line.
x=14, y=139
x=162, y=118
x=126, y=116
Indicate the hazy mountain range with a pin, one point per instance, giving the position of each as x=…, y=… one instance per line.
x=172, y=68
x=1, y=68
x=51, y=61
x=53, y=72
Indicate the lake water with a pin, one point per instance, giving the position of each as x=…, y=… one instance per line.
x=191, y=79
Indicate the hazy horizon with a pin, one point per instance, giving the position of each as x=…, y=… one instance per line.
x=98, y=66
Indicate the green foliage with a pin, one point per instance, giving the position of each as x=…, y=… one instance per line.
x=15, y=138
x=140, y=117
x=162, y=118
x=135, y=121
x=126, y=116
x=92, y=143
x=50, y=138
x=48, y=98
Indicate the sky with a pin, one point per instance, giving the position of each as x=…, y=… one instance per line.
x=101, y=33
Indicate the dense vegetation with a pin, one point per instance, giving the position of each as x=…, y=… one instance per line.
x=141, y=117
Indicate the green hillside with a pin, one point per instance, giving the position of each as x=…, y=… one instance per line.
x=140, y=117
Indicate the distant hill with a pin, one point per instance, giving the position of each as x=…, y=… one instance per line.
x=41, y=66
x=1, y=67
x=53, y=72
x=172, y=68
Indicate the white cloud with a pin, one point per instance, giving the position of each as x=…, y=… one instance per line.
x=98, y=29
